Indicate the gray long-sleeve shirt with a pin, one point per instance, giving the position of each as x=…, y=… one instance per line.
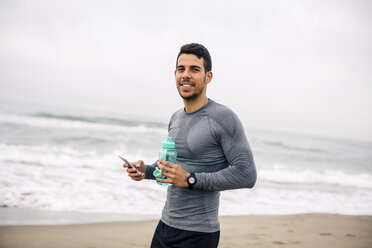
x=211, y=143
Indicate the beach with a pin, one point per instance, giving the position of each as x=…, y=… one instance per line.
x=298, y=230
x=63, y=185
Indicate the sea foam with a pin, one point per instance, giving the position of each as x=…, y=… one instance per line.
x=69, y=163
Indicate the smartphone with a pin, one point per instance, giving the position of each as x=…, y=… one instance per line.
x=130, y=164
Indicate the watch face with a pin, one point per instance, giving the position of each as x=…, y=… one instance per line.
x=191, y=180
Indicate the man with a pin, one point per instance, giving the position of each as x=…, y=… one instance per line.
x=213, y=155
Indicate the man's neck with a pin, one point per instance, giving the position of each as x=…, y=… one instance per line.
x=193, y=105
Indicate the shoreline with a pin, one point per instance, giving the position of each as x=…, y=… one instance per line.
x=297, y=230
x=29, y=216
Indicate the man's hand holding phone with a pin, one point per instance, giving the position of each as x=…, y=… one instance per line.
x=135, y=170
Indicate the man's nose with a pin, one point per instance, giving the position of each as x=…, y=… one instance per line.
x=186, y=74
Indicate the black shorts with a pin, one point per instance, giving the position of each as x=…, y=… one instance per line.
x=166, y=236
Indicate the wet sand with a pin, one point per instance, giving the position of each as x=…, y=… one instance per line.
x=303, y=230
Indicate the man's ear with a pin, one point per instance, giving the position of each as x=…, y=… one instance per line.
x=208, y=77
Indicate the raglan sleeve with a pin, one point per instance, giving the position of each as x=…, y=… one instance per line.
x=241, y=169
x=150, y=168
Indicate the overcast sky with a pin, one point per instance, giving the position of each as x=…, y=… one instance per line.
x=298, y=66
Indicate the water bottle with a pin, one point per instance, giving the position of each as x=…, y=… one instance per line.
x=167, y=153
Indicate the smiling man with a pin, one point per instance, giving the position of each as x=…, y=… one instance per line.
x=213, y=155
x=192, y=78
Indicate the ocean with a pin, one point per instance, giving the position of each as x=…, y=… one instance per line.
x=67, y=162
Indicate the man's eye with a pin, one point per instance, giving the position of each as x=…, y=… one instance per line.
x=196, y=69
x=180, y=69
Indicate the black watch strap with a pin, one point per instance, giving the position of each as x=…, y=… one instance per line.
x=191, y=180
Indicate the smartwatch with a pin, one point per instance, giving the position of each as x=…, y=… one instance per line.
x=191, y=180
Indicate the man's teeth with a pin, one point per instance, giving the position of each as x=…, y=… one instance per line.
x=187, y=85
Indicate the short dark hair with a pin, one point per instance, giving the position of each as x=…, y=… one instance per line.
x=200, y=51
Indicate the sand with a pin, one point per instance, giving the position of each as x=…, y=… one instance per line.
x=304, y=230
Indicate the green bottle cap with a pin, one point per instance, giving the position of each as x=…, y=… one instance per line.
x=169, y=144
x=157, y=173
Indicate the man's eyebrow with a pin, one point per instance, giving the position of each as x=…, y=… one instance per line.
x=195, y=66
x=192, y=66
